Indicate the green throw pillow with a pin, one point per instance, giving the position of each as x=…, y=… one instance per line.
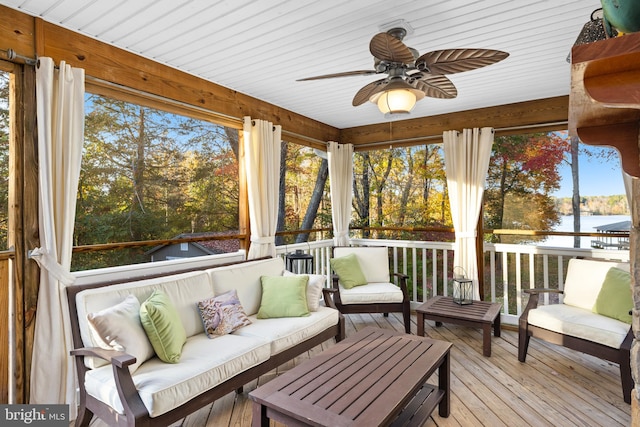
x=283, y=296
x=615, y=298
x=348, y=270
x=162, y=324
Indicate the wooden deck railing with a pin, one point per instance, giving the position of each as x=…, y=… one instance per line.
x=508, y=268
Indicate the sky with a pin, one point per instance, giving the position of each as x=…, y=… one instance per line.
x=598, y=176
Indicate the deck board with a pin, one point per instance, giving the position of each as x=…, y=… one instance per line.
x=556, y=386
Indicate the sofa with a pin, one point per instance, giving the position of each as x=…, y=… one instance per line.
x=592, y=315
x=129, y=373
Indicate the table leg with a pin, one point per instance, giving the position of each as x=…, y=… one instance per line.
x=420, y=319
x=444, y=383
x=496, y=326
x=259, y=415
x=486, y=339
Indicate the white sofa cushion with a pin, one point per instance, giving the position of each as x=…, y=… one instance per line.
x=184, y=291
x=580, y=323
x=286, y=332
x=204, y=364
x=119, y=328
x=248, y=276
x=584, y=280
x=374, y=261
x=371, y=293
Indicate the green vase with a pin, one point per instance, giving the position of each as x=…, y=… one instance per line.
x=624, y=15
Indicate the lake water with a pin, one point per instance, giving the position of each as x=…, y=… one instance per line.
x=587, y=225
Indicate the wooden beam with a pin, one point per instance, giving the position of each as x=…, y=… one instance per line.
x=622, y=136
x=605, y=96
x=124, y=68
x=522, y=117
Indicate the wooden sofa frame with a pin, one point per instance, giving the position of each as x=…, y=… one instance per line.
x=621, y=356
x=135, y=413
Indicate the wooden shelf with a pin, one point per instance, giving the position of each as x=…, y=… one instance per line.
x=604, y=102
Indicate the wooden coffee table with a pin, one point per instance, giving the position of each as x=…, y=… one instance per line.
x=479, y=314
x=376, y=377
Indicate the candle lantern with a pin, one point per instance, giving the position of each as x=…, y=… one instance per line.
x=462, y=290
x=299, y=262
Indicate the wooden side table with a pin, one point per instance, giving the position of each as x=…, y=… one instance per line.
x=479, y=314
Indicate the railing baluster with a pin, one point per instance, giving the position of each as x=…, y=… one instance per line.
x=431, y=252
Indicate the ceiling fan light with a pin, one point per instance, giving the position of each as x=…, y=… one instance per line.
x=396, y=101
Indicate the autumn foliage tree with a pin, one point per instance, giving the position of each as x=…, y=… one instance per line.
x=523, y=173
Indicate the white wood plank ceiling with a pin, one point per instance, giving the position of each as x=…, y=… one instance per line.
x=260, y=47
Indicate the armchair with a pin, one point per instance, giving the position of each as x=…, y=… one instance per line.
x=379, y=294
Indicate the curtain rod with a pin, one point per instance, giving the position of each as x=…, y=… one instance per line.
x=12, y=55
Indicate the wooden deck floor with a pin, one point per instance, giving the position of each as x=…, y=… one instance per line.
x=555, y=387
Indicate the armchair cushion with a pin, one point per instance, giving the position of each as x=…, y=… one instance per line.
x=579, y=323
x=374, y=261
x=348, y=270
x=584, y=279
x=615, y=299
x=371, y=293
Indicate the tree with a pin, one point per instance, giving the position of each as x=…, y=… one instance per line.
x=149, y=174
x=314, y=202
x=4, y=159
x=361, y=190
x=281, y=193
x=575, y=179
x=523, y=172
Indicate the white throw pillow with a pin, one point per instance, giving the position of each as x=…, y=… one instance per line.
x=314, y=289
x=119, y=328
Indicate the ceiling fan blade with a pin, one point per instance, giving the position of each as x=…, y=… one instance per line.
x=451, y=61
x=388, y=48
x=344, y=74
x=368, y=91
x=433, y=86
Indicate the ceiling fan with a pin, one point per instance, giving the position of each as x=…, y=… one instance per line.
x=410, y=75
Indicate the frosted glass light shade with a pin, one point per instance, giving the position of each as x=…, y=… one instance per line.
x=397, y=101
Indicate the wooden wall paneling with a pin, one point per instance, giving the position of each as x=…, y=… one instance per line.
x=17, y=32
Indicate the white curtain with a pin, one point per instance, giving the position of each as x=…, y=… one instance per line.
x=262, y=142
x=466, y=158
x=340, y=159
x=60, y=117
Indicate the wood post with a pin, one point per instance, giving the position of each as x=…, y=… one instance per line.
x=23, y=220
